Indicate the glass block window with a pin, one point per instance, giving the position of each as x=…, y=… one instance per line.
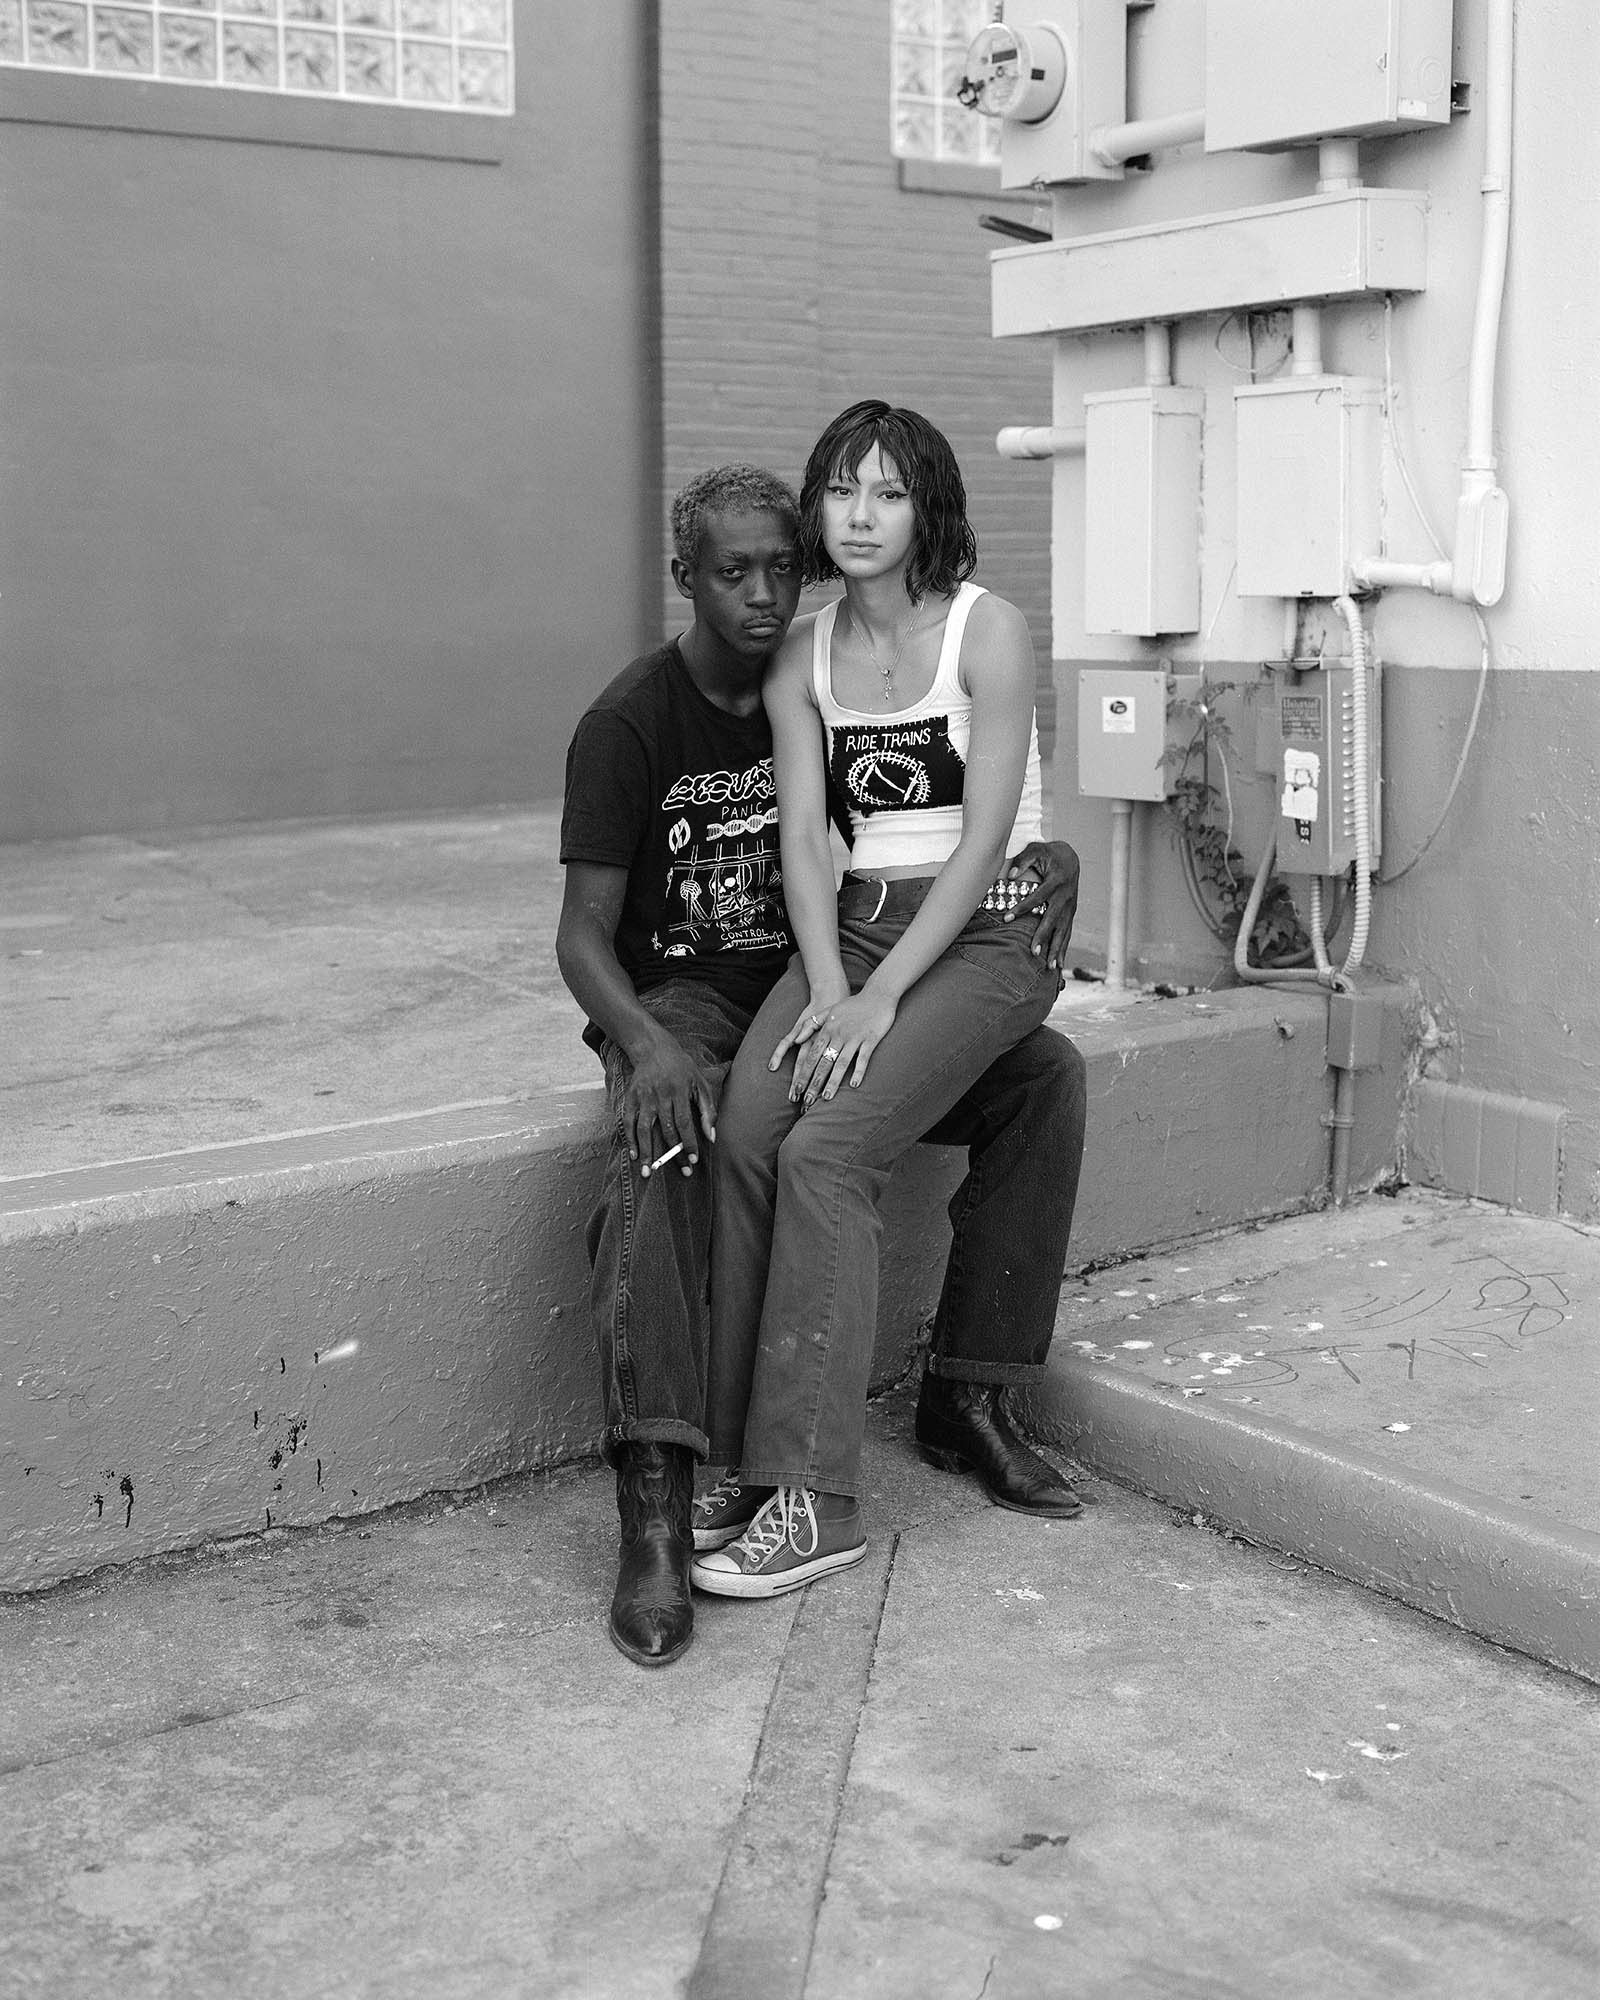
x=449, y=55
x=931, y=38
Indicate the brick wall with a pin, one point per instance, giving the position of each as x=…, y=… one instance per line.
x=798, y=275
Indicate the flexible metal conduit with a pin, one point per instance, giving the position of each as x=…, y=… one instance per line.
x=1361, y=773
x=1324, y=972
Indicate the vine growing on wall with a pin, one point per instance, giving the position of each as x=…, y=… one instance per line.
x=1214, y=871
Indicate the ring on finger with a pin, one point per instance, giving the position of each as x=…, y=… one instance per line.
x=830, y=1055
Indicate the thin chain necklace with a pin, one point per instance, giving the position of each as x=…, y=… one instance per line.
x=888, y=672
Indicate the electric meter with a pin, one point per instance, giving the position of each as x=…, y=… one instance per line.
x=1053, y=73
x=1014, y=73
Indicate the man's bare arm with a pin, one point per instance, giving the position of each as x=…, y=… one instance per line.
x=667, y=1094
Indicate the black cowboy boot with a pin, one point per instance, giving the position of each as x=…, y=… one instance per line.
x=652, y=1618
x=961, y=1427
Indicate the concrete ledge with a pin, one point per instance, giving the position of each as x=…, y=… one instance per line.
x=275, y=1334
x=1519, y=1579
x=255, y=1336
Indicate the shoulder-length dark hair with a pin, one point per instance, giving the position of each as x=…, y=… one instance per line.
x=944, y=551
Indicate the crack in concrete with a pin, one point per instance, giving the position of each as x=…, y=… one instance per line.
x=763, y=1919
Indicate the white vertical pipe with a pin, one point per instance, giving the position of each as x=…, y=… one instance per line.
x=1496, y=189
x=1121, y=876
x=1475, y=573
x=1338, y=165
x=1307, y=341
x=1157, y=375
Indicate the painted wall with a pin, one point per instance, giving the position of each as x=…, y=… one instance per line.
x=799, y=274
x=1497, y=922
x=327, y=474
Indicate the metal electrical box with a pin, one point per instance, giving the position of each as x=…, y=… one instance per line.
x=1289, y=72
x=1315, y=726
x=1308, y=492
x=1142, y=511
x=1123, y=729
x=1092, y=36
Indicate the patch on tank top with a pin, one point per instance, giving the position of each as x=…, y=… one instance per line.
x=896, y=766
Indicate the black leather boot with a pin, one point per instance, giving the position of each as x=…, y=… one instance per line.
x=961, y=1427
x=652, y=1617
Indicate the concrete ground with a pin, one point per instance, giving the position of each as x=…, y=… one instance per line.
x=1133, y=1755
x=1120, y=1757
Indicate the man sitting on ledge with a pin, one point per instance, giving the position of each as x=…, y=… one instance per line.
x=672, y=932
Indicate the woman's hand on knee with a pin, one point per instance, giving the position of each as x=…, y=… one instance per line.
x=840, y=1048
x=808, y=1022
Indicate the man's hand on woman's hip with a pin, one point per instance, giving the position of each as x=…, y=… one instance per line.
x=1053, y=898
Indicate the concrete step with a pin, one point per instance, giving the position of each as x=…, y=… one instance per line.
x=243, y=1338
x=1406, y=1394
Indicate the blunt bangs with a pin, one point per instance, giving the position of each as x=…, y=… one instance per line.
x=944, y=550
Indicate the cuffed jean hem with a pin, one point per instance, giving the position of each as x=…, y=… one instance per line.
x=756, y=1475
x=1002, y=1374
x=653, y=1430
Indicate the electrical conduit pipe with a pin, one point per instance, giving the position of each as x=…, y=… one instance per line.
x=1157, y=375
x=1112, y=144
x=1476, y=571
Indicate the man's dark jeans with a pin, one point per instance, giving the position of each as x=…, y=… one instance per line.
x=649, y=1239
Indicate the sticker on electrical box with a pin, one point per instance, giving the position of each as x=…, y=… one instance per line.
x=1301, y=715
x=1302, y=774
x=1117, y=715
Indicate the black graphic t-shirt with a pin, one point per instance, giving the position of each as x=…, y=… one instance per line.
x=664, y=783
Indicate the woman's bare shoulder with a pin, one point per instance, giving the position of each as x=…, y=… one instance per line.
x=996, y=638
x=993, y=617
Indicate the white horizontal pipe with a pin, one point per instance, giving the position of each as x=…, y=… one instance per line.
x=1112, y=144
x=1038, y=441
x=1376, y=573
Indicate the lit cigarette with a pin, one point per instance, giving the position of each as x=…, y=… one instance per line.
x=671, y=1153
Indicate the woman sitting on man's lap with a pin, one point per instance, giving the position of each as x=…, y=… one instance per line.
x=913, y=695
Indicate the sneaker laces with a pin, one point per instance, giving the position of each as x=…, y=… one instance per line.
x=776, y=1524
x=728, y=1488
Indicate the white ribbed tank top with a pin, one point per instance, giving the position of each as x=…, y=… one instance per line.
x=901, y=774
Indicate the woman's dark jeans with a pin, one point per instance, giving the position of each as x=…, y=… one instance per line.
x=794, y=1296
